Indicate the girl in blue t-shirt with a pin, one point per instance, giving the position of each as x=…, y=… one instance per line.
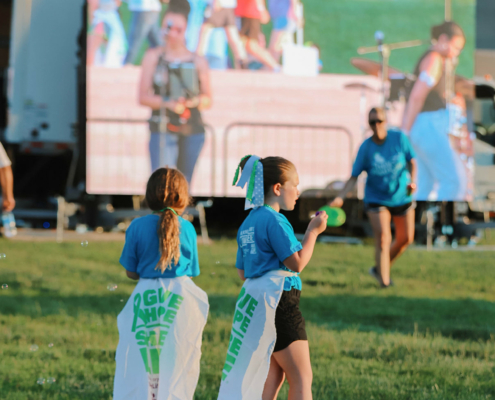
x=156, y=334
x=266, y=242
x=387, y=157
x=163, y=244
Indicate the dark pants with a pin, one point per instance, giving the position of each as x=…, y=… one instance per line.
x=144, y=24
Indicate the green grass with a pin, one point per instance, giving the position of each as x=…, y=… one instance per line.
x=339, y=27
x=430, y=337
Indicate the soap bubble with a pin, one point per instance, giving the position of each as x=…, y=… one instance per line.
x=213, y=273
x=5, y=286
x=3, y=255
x=218, y=262
x=34, y=347
x=40, y=381
x=121, y=300
x=51, y=380
x=112, y=287
x=84, y=243
x=50, y=345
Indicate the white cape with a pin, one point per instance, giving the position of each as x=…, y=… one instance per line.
x=160, y=330
x=252, y=338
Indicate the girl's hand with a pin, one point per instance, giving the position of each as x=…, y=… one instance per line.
x=177, y=106
x=265, y=17
x=319, y=223
x=411, y=188
x=193, y=103
x=337, y=202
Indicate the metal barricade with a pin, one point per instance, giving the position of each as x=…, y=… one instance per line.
x=304, y=144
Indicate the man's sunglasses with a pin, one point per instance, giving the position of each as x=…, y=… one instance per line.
x=375, y=121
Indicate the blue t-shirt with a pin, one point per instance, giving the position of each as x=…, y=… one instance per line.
x=278, y=8
x=141, y=251
x=386, y=166
x=265, y=239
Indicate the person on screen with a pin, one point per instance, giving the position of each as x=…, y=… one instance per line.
x=427, y=119
x=285, y=22
x=253, y=13
x=216, y=52
x=107, y=44
x=385, y=157
x=221, y=15
x=178, y=136
x=145, y=15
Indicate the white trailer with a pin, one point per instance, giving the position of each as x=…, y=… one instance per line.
x=42, y=75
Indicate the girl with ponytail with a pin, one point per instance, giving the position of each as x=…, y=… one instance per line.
x=167, y=312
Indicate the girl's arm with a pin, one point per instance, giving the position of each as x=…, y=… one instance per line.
x=339, y=200
x=265, y=16
x=203, y=101
x=431, y=71
x=132, y=275
x=240, y=272
x=298, y=261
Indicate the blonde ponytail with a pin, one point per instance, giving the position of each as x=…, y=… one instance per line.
x=166, y=192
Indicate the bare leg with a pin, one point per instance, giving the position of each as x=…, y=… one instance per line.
x=260, y=53
x=276, y=40
x=380, y=222
x=236, y=44
x=404, y=234
x=294, y=361
x=274, y=381
x=204, y=39
x=95, y=39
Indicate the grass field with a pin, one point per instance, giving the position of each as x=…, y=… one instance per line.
x=430, y=337
x=339, y=27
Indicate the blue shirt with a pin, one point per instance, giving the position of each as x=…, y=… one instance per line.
x=278, y=8
x=265, y=239
x=386, y=166
x=141, y=251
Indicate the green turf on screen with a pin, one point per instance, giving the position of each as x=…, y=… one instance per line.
x=339, y=27
x=430, y=337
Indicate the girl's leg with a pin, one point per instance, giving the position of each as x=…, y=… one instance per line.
x=295, y=362
x=236, y=44
x=274, y=381
x=260, y=53
x=204, y=39
x=404, y=234
x=154, y=33
x=420, y=137
x=277, y=39
x=380, y=222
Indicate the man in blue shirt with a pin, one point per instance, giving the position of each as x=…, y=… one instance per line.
x=388, y=159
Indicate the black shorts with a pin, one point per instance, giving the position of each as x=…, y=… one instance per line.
x=289, y=321
x=398, y=211
x=250, y=28
x=222, y=18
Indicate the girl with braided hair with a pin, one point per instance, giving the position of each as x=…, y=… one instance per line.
x=161, y=325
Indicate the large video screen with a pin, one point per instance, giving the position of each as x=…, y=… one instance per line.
x=199, y=84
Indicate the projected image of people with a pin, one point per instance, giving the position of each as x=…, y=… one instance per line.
x=435, y=118
x=175, y=84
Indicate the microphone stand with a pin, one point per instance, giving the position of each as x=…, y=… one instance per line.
x=163, y=111
x=385, y=50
